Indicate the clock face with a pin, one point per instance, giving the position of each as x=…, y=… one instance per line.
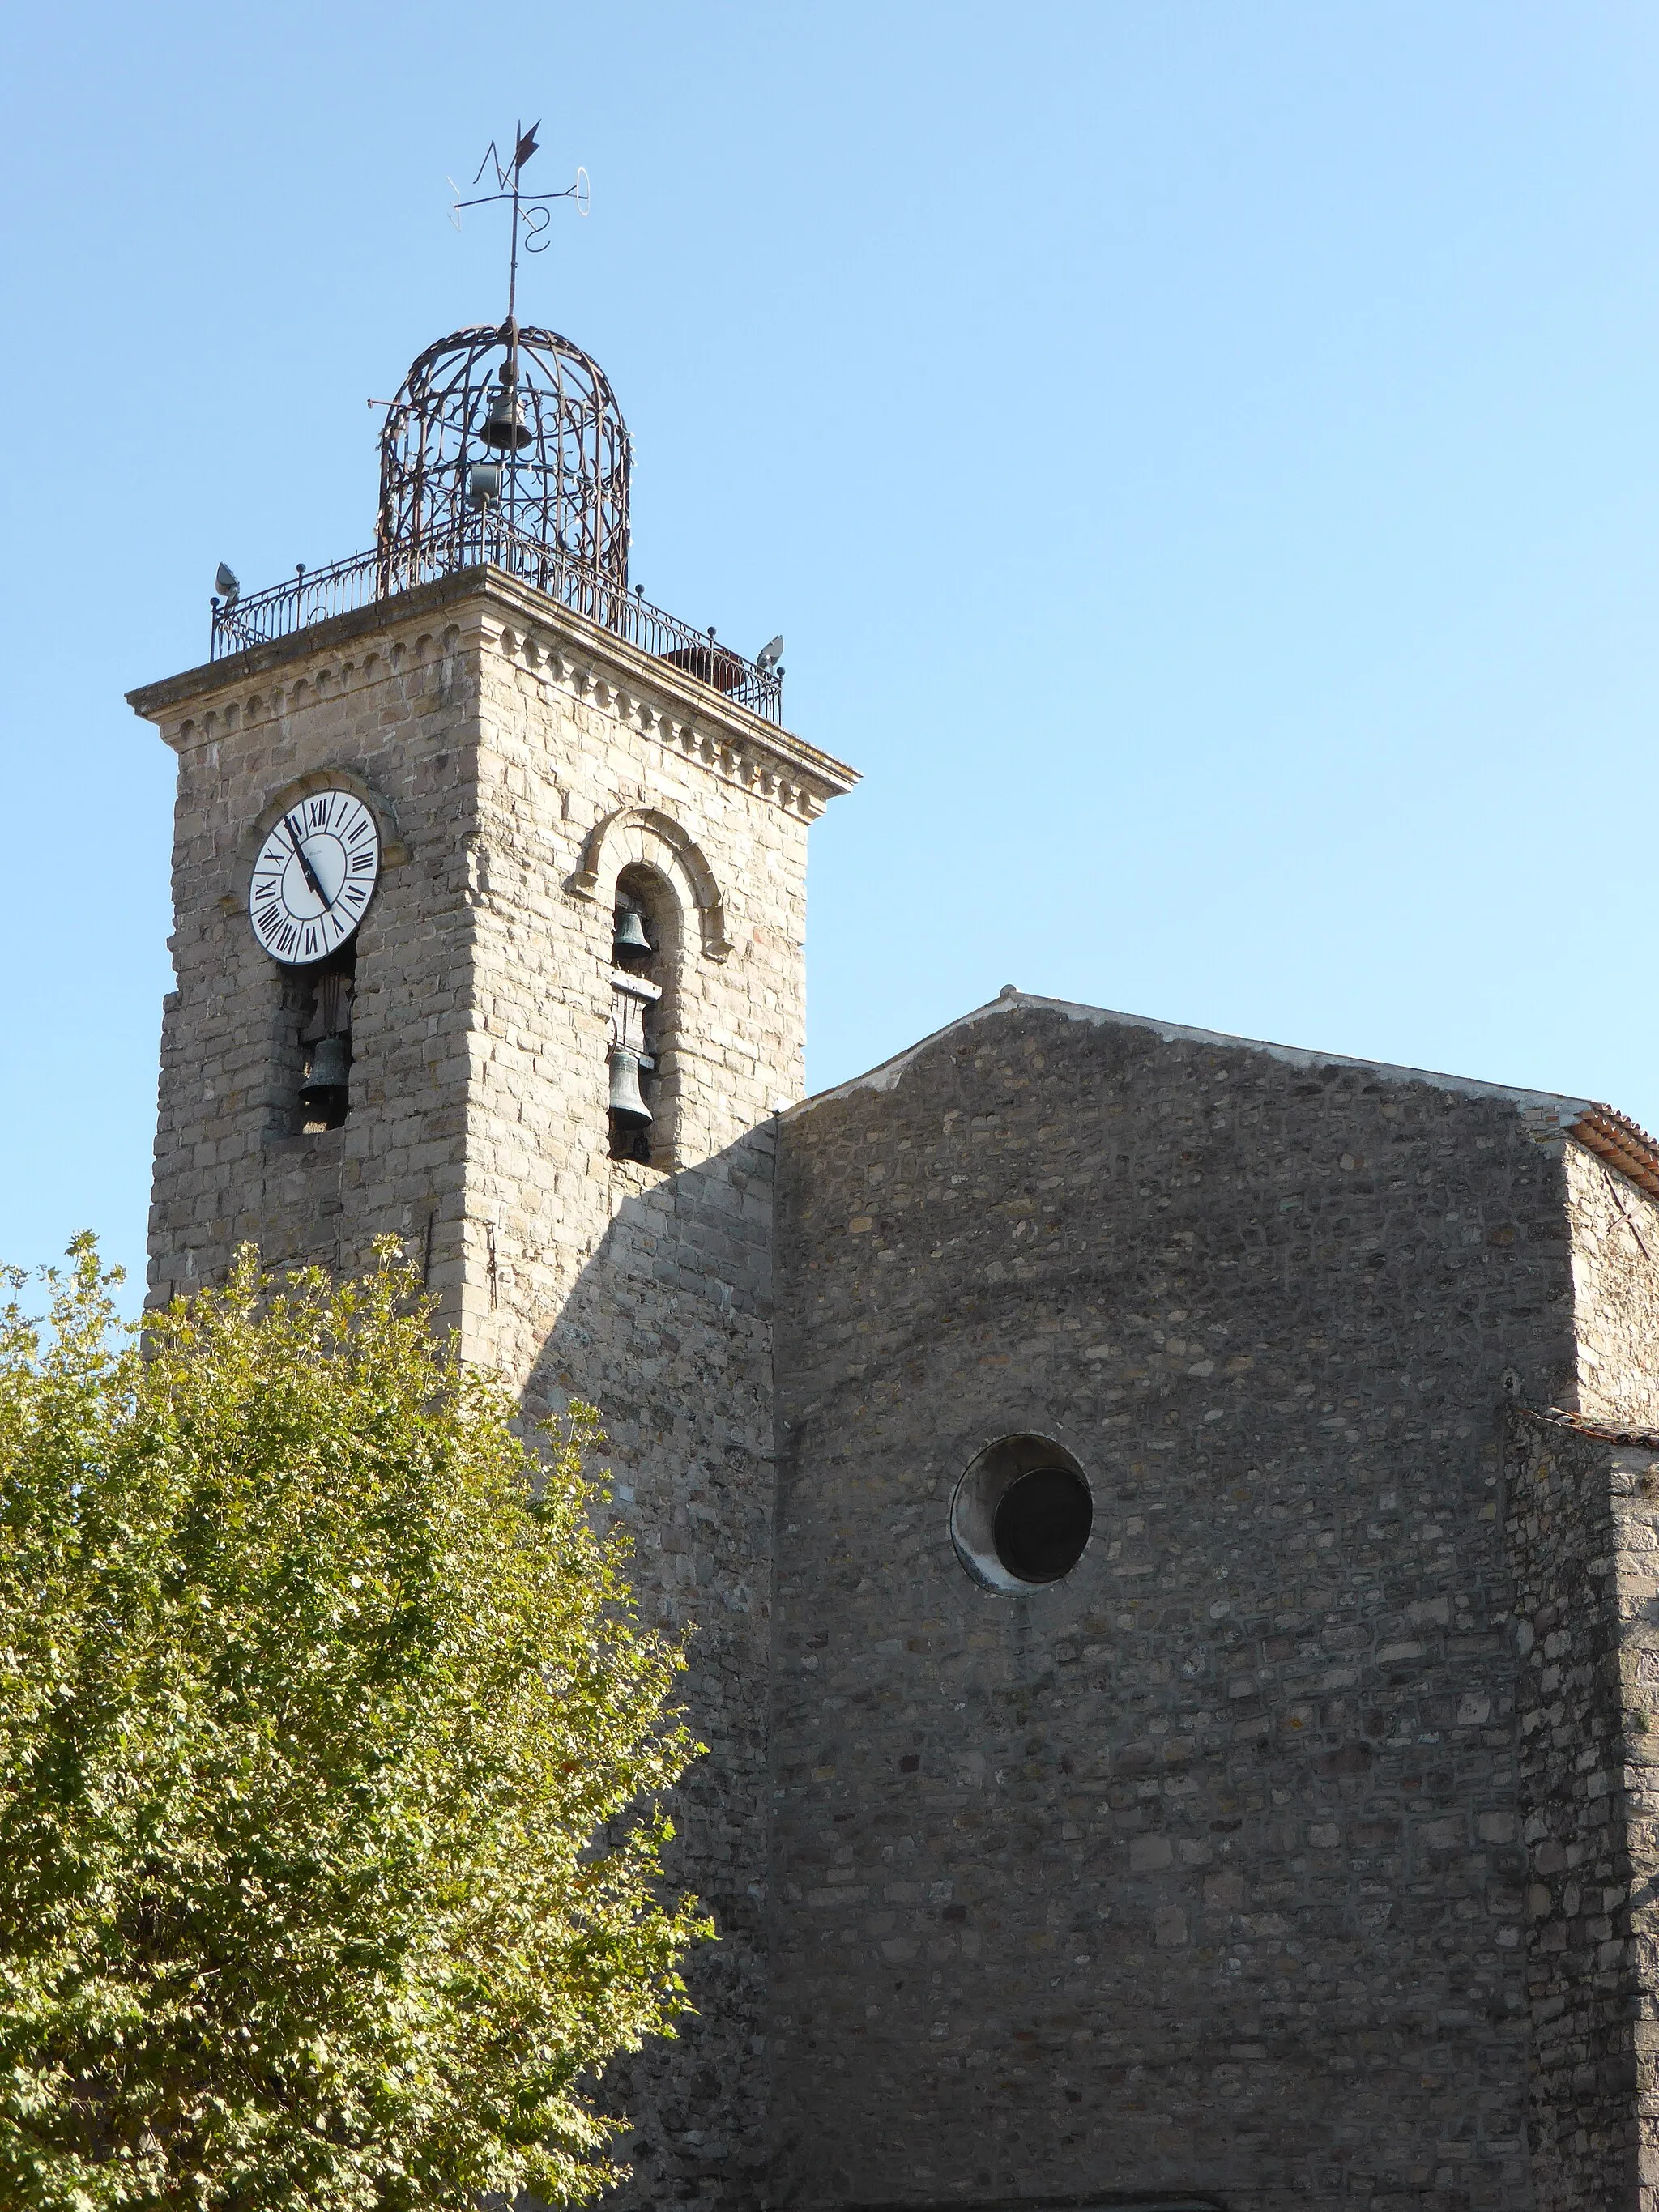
x=314, y=876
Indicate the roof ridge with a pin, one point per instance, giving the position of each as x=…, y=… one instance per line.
x=1561, y=1108
x=1601, y=1128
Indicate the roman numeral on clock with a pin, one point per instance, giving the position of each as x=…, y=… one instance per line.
x=315, y=875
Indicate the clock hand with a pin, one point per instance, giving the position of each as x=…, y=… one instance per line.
x=300, y=855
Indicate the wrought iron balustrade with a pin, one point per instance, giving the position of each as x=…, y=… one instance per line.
x=313, y=595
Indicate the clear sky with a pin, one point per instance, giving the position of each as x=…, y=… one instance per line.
x=1202, y=458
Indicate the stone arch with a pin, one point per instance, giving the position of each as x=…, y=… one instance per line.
x=394, y=851
x=646, y=837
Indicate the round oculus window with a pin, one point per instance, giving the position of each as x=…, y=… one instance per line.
x=1041, y=1524
x=1022, y=1514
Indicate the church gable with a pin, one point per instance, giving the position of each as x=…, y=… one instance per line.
x=1228, y=1809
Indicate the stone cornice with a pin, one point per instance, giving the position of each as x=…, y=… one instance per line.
x=488, y=609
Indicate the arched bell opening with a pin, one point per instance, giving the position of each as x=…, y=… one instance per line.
x=319, y=1000
x=644, y=1076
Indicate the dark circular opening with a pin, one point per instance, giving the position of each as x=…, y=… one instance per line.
x=1041, y=1524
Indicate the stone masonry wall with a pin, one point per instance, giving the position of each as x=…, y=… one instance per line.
x=646, y=1289
x=1615, y=1270
x=1584, y=1531
x=391, y=711
x=1200, y=1871
x=517, y=760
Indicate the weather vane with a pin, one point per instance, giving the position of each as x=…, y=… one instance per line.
x=534, y=210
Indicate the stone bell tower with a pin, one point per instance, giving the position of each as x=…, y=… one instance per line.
x=489, y=883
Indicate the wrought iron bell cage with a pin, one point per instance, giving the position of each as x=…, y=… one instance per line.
x=505, y=447
x=511, y=437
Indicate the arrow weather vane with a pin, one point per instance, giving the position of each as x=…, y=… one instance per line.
x=533, y=209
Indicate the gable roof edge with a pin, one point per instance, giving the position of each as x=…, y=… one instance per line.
x=1613, y=1137
x=1563, y=1112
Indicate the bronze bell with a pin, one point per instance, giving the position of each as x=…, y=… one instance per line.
x=504, y=425
x=630, y=939
x=324, y=1091
x=627, y=1100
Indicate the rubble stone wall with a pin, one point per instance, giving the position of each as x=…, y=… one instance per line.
x=1582, y=1515
x=1200, y=1871
x=1615, y=1267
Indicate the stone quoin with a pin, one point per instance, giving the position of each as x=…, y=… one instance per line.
x=1171, y=1523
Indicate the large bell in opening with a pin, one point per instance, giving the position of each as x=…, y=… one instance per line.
x=631, y=941
x=325, y=1090
x=531, y=406
x=627, y=1100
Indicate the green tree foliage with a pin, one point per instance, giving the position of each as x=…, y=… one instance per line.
x=329, y=1747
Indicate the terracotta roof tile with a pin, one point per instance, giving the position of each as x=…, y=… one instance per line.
x=1616, y=1139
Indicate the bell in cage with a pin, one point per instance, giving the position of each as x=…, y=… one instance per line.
x=483, y=485
x=504, y=425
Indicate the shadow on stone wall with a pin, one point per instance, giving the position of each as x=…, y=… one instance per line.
x=668, y=1330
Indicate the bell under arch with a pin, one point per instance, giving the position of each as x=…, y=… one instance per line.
x=647, y=836
x=645, y=1060
x=510, y=436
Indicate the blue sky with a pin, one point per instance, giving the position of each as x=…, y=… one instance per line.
x=1202, y=458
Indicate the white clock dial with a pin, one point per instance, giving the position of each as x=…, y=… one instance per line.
x=314, y=876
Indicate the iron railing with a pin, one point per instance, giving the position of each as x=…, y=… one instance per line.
x=314, y=594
